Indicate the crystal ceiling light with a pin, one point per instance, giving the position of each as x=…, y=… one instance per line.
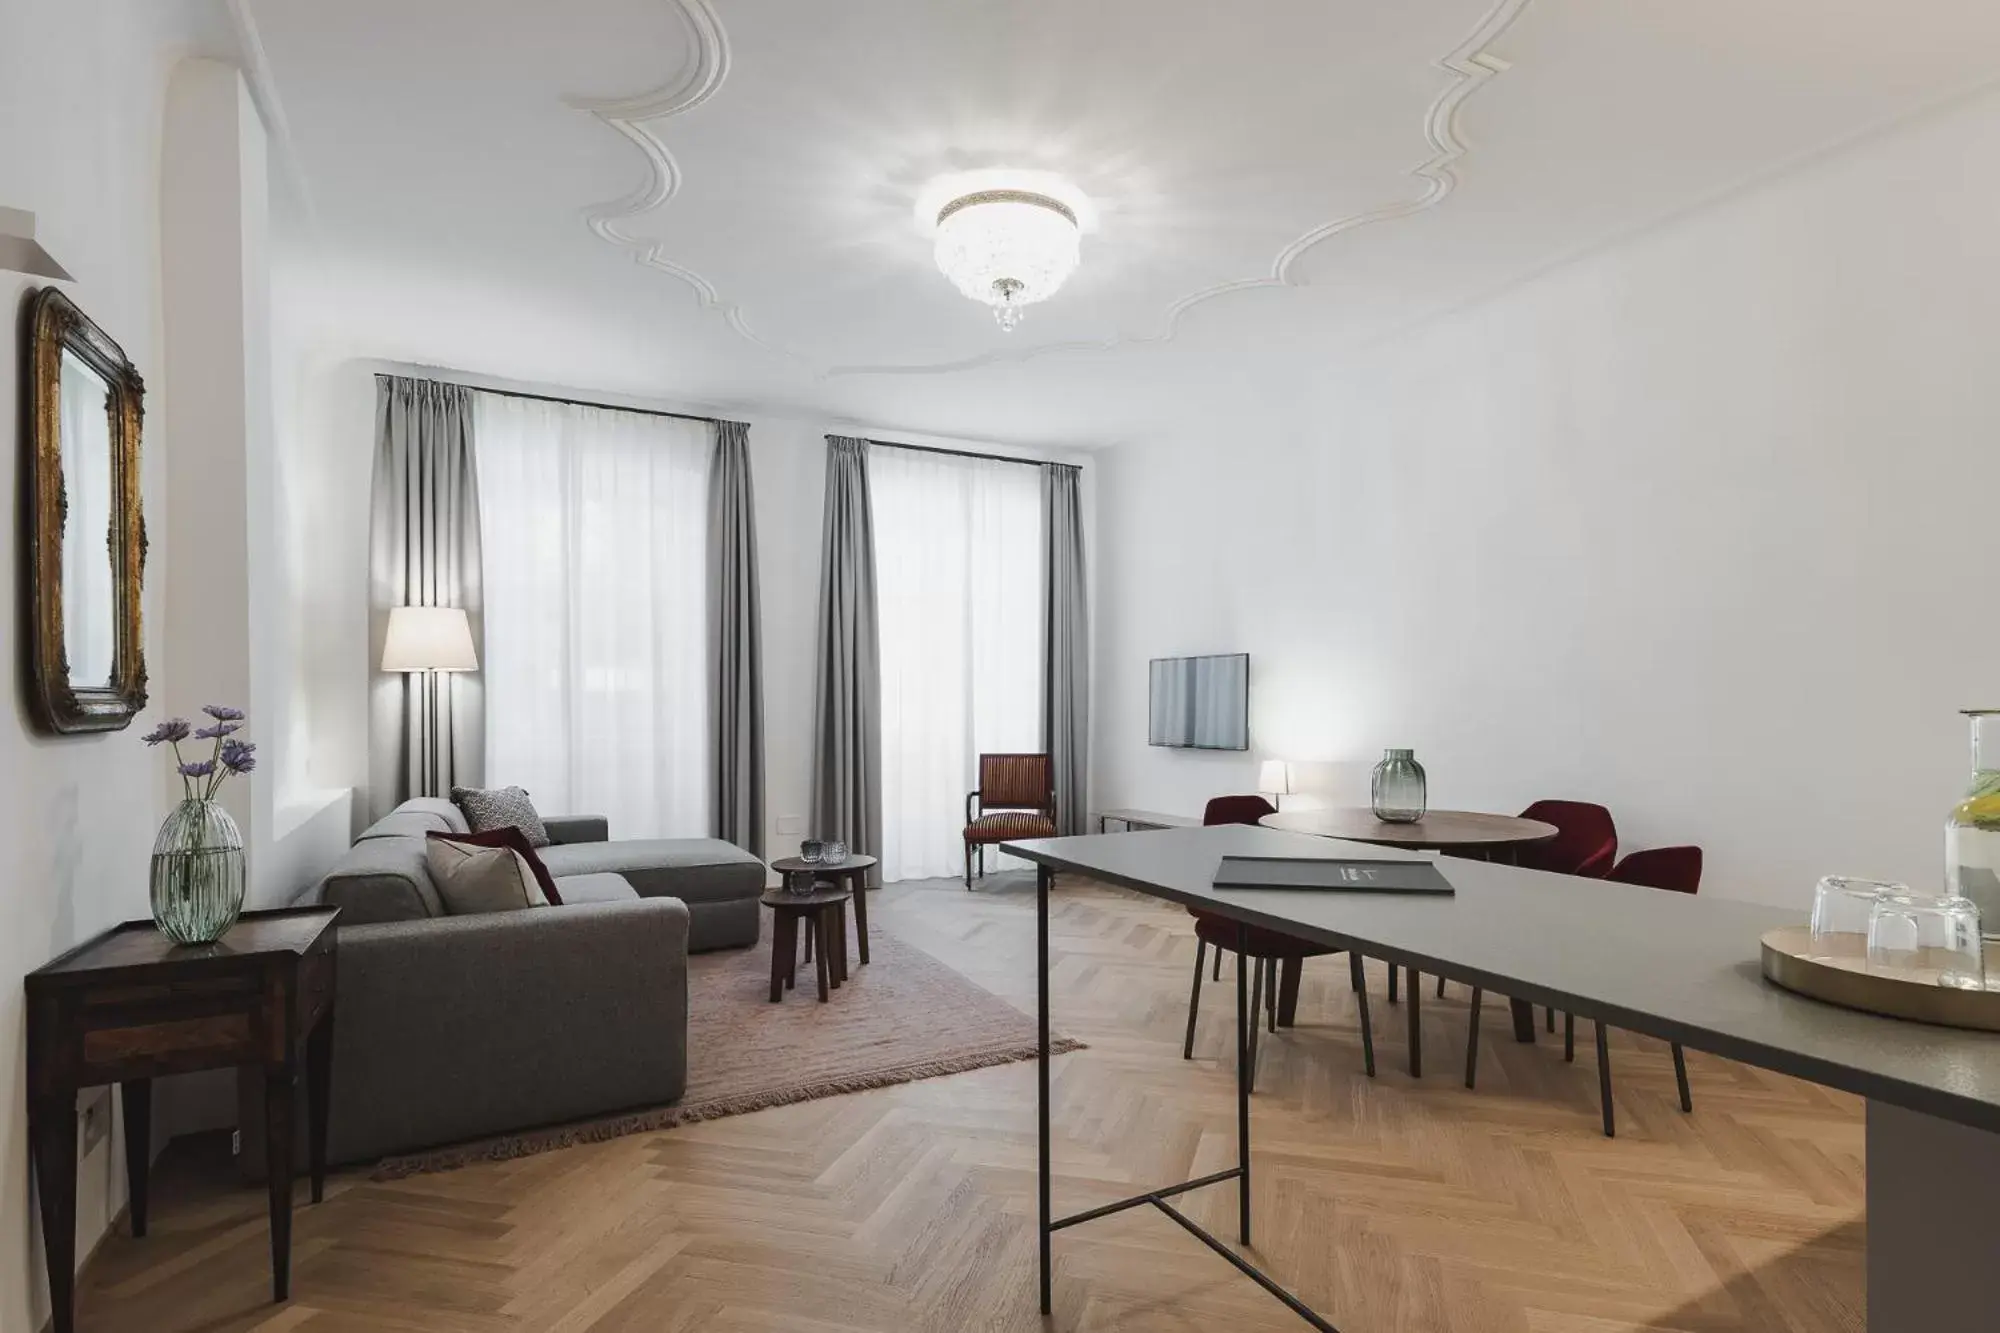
x=1007, y=248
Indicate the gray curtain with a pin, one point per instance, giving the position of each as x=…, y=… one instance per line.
x=426, y=729
x=847, y=689
x=1066, y=634
x=735, y=640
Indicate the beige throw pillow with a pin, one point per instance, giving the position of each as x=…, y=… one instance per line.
x=481, y=879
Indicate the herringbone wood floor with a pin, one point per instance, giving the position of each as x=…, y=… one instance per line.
x=1391, y=1206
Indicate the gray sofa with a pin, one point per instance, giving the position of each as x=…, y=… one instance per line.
x=455, y=1028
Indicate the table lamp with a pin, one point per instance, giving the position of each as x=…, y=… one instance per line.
x=428, y=638
x=1274, y=780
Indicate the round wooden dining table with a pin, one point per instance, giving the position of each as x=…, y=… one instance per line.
x=1463, y=832
x=1456, y=832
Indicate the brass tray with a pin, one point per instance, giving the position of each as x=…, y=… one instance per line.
x=1838, y=975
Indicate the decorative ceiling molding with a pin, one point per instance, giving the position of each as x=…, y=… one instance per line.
x=634, y=117
x=1470, y=65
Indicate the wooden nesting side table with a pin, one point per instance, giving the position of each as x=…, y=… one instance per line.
x=131, y=1005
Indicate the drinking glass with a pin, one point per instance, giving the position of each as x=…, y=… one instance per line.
x=1931, y=940
x=1844, y=906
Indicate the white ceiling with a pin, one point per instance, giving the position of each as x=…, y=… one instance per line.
x=714, y=200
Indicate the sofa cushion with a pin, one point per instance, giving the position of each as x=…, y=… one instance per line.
x=695, y=870
x=381, y=879
x=604, y=888
x=400, y=823
x=472, y=879
x=491, y=807
x=453, y=817
x=516, y=841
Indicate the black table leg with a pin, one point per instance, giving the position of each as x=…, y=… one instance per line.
x=1416, y=1024
x=52, y=1127
x=280, y=1086
x=1472, y=1040
x=1042, y=876
x=137, y=1096
x=319, y=1098
x=1246, y=1029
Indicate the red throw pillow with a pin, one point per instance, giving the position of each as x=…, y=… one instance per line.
x=514, y=840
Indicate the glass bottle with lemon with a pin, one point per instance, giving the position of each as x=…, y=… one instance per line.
x=1972, y=834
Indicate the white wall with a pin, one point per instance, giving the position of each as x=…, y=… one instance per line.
x=328, y=502
x=1700, y=527
x=82, y=92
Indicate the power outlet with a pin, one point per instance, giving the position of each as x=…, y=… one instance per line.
x=94, y=1119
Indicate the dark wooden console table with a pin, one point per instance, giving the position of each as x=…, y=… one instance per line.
x=131, y=1005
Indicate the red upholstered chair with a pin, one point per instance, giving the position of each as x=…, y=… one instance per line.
x=1586, y=841
x=1016, y=798
x=1586, y=844
x=1677, y=870
x=1274, y=999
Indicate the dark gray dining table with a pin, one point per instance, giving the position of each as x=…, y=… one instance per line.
x=1677, y=967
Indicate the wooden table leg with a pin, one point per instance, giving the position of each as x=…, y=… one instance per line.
x=1288, y=991
x=1524, y=1021
x=783, y=951
x=137, y=1096
x=52, y=1127
x=280, y=1086
x=860, y=883
x=319, y=1098
x=841, y=920
x=819, y=928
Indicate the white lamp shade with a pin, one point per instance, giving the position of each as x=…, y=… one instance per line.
x=428, y=638
x=1275, y=777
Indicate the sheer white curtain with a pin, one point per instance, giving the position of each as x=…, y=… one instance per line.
x=958, y=571
x=594, y=528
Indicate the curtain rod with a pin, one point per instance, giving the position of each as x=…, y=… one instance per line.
x=577, y=402
x=968, y=453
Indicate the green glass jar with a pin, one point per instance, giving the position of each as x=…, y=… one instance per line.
x=1399, y=791
x=197, y=877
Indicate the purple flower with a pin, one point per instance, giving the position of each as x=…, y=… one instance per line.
x=223, y=712
x=173, y=729
x=198, y=768
x=239, y=756
x=218, y=731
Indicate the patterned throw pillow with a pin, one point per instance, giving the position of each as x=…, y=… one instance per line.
x=491, y=808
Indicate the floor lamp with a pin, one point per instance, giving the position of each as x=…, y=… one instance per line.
x=428, y=641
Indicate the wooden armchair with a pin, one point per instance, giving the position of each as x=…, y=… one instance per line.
x=1016, y=798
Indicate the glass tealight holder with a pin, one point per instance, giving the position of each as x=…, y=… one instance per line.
x=1844, y=906
x=834, y=852
x=812, y=851
x=1932, y=941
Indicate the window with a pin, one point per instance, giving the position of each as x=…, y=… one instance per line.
x=593, y=524
x=958, y=573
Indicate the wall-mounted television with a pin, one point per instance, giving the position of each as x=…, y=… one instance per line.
x=1199, y=703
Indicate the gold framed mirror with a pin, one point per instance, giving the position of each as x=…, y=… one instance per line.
x=86, y=532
